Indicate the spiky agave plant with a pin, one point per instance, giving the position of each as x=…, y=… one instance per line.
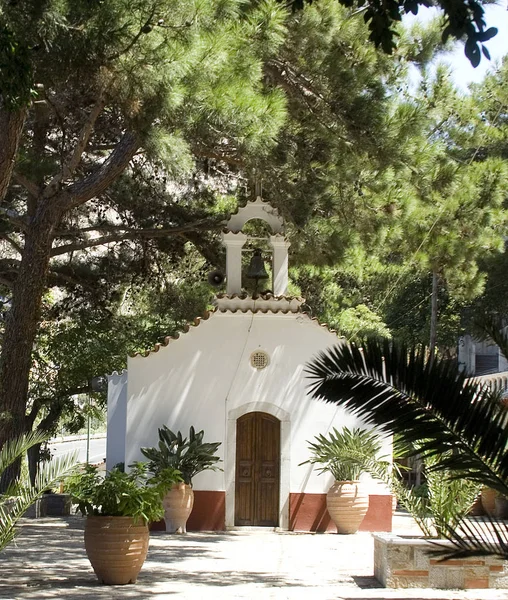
x=460, y=425
x=21, y=494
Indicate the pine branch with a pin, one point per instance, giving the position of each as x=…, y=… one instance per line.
x=29, y=185
x=296, y=83
x=13, y=217
x=206, y=224
x=12, y=243
x=133, y=42
x=57, y=277
x=72, y=163
x=226, y=156
x=96, y=183
x=6, y=264
x=9, y=270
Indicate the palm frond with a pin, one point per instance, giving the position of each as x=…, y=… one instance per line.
x=432, y=408
x=21, y=495
x=429, y=404
x=478, y=536
x=13, y=450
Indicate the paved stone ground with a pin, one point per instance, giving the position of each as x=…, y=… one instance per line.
x=49, y=561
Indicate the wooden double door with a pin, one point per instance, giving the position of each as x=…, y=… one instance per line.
x=257, y=482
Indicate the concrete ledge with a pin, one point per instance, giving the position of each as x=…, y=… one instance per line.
x=407, y=562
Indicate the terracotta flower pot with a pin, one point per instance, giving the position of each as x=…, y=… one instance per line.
x=501, y=507
x=347, y=504
x=116, y=548
x=488, y=497
x=178, y=503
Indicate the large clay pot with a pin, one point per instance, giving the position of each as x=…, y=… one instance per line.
x=116, y=548
x=501, y=510
x=488, y=497
x=178, y=503
x=347, y=504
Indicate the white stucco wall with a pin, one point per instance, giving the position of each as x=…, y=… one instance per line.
x=117, y=419
x=205, y=379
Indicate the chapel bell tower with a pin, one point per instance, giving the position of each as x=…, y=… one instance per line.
x=235, y=241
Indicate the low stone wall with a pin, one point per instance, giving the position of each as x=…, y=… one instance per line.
x=405, y=562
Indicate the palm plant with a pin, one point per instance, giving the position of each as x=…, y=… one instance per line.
x=347, y=454
x=446, y=501
x=22, y=494
x=454, y=422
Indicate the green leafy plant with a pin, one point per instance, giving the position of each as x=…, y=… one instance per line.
x=22, y=494
x=441, y=503
x=119, y=494
x=458, y=427
x=347, y=454
x=189, y=455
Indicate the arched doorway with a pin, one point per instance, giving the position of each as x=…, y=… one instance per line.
x=257, y=473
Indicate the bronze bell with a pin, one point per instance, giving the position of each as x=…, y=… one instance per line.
x=256, y=268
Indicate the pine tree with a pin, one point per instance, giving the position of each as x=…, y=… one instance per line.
x=88, y=89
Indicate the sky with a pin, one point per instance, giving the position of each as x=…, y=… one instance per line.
x=462, y=71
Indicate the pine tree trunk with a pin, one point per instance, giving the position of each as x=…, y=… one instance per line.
x=433, y=315
x=45, y=213
x=33, y=455
x=11, y=126
x=22, y=324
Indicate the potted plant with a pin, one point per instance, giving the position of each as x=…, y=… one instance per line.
x=347, y=454
x=118, y=507
x=190, y=456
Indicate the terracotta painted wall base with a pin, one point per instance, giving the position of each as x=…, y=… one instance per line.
x=208, y=513
x=307, y=512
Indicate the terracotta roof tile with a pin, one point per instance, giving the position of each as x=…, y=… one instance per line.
x=172, y=338
x=168, y=339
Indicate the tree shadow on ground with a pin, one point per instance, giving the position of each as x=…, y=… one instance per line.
x=84, y=585
x=49, y=561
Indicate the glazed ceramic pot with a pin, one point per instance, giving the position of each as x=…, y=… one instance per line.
x=347, y=503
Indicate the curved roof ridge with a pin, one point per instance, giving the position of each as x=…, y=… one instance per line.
x=324, y=325
x=256, y=209
x=172, y=338
x=261, y=296
x=117, y=373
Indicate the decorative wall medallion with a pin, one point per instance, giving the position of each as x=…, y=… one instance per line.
x=259, y=359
